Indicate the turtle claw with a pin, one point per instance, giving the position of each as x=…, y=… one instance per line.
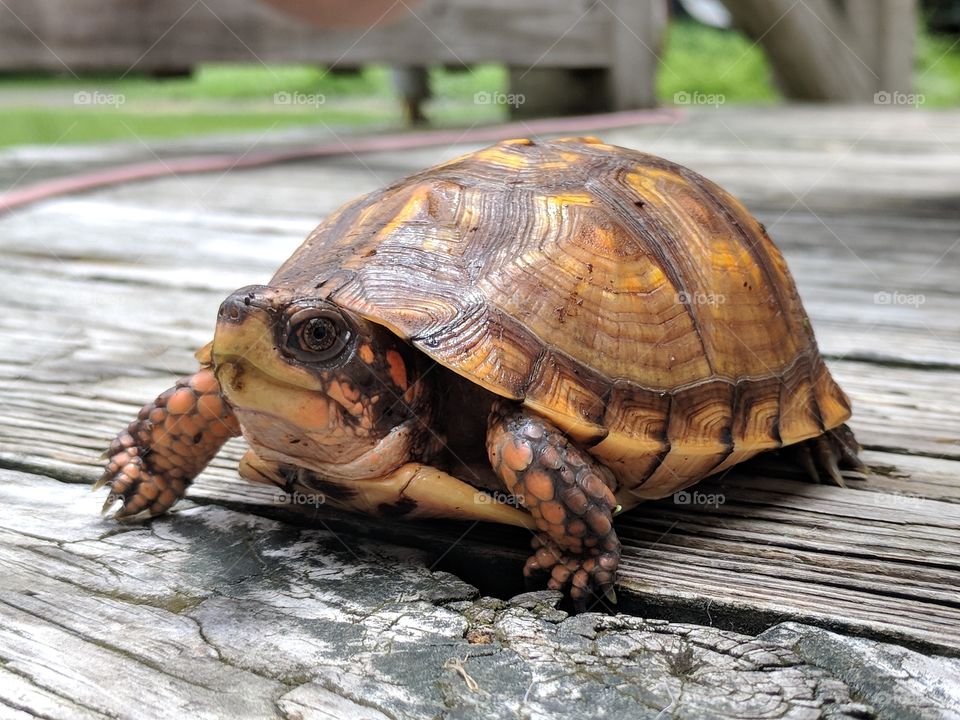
x=583, y=575
x=136, y=488
x=109, y=504
x=804, y=459
x=828, y=462
x=823, y=457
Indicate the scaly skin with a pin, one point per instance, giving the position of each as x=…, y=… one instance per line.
x=570, y=496
x=151, y=463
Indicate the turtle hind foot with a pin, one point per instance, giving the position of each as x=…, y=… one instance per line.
x=151, y=462
x=823, y=457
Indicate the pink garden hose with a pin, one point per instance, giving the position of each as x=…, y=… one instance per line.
x=83, y=182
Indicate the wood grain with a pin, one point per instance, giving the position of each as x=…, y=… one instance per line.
x=108, y=295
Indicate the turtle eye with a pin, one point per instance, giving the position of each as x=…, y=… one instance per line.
x=316, y=335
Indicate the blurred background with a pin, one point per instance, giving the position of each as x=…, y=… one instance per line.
x=99, y=70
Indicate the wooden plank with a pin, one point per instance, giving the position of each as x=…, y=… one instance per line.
x=883, y=161
x=181, y=33
x=110, y=294
x=637, y=37
x=879, y=558
x=209, y=612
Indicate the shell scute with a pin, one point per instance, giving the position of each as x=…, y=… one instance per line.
x=626, y=298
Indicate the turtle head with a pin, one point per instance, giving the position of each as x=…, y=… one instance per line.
x=316, y=385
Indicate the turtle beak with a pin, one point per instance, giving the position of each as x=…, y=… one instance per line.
x=246, y=339
x=244, y=327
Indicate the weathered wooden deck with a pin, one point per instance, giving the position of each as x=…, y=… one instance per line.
x=786, y=600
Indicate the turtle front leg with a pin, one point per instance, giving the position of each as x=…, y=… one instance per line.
x=151, y=463
x=570, y=496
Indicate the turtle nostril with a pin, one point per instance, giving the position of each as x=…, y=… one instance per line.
x=243, y=302
x=232, y=309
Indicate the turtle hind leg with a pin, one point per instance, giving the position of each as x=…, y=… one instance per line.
x=822, y=457
x=151, y=463
x=570, y=496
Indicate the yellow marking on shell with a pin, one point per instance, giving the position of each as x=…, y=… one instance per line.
x=430, y=208
x=365, y=217
x=577, y=428
x=638, y=284
x=621, y=446
x=832, y=401
x=729, y=290
x=648, y=182
x=498, y=155
x=414, y=208
x=470, y=214
x=566, y=199
x=585, y=139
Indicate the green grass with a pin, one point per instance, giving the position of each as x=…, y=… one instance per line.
x=938, y=70
x=240, y=98
x=27, y=125
x=701, y=59
x=228, y=98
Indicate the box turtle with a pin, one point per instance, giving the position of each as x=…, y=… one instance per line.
x=541, y=333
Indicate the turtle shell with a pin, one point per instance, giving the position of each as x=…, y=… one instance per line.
x=627, y=299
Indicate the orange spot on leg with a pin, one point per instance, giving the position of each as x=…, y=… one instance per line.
x=210, y=407
x=204, y=383
x=181, y=402
x=538, y=484
x=518, y=457
x=553, y=512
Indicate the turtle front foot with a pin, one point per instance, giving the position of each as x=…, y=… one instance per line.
x=824, y=456
x=151, y=463
x=580, y=572
x=570, y=496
